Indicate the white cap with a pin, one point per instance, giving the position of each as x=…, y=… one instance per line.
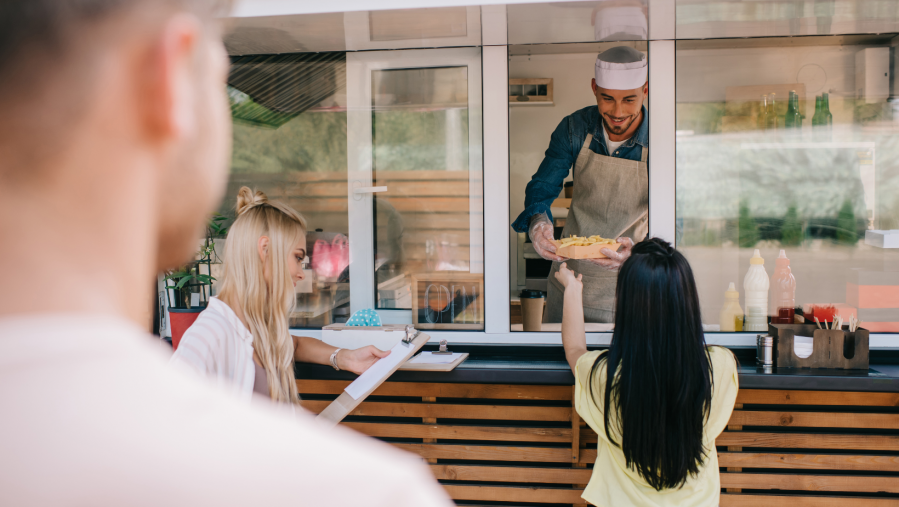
x=621, y=68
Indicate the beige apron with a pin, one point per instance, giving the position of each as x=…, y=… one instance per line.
x=611, y=198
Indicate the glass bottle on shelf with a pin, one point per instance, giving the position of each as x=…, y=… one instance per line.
x=771, y=113
x=825, y=106
x=793, y=119
x=789, y=118
x=820, y=129
x=818, y=119
x=763, y=113
x=797, y=119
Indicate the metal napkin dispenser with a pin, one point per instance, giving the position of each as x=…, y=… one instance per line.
x=831, y=348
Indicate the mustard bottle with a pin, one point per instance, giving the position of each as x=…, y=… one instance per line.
x=731, y=316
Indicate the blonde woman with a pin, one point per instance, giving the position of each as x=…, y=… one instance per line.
x=242, y=337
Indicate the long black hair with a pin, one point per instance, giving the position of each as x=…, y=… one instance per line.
x=663, y=387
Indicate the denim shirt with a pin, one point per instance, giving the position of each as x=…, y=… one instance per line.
x=564, y=146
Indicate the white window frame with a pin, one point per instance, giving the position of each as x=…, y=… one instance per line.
x=360, y=66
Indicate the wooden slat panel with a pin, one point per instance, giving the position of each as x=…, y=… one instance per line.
x=808, y=441
x=513, y=494
x=402, y=204
x=831, y=398
x=500, y=433
x=304, y=176
x=809, y=461
x=791, y=482
x=441, y=411
x=421, y=389
x=792, y=440
x=490, y=453
x=395, y=188
x=749, y=500
x=413, y=221
x=511, y=474
x=815, y=419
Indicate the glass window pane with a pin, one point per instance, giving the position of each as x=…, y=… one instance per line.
x=702, y=19
x=423, y=233
x=555, y=22
x=790, y=148
x=289, y=140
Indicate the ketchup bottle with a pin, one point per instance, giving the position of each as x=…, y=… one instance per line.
x=784, y=287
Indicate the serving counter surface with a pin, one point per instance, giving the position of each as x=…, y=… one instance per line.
x=493, y=366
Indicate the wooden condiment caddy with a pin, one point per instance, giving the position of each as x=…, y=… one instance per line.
x=832, y=348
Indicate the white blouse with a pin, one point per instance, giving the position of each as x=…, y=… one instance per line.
x=220, y=347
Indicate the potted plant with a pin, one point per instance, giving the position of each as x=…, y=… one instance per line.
x=193, y=278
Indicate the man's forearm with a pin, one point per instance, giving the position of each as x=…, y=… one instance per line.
x=574, y=338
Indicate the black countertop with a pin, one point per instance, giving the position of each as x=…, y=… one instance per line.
x=546, y=365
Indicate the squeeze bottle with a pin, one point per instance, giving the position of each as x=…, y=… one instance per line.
x=731, y=316
x=784, y=291
x=756, y=285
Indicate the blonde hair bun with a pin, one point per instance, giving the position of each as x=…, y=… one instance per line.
x=246, y=199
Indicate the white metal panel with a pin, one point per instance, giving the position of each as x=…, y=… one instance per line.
x=661, y=19
x=496, y=179
x=661, y=140
x=252, y=8
x=357, y=27
x=359, y=159
x=493, y=25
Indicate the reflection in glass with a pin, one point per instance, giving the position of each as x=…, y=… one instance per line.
x=423, y=234
x=596, y=21
x=289, y=141
x=813, y=172
x=701, y=19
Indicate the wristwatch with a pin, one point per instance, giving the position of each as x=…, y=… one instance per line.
x=334, y=359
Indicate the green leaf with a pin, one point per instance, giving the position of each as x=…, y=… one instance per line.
x=182, y=282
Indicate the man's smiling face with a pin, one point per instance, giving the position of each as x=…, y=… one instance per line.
x=619, y=109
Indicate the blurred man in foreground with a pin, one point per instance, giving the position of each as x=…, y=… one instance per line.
x=113, y=150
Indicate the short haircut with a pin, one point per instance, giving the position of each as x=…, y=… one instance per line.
x=48, y=63
x=47, y=26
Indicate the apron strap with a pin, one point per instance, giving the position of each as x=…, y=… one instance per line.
x=644, y=154
x=587, y=141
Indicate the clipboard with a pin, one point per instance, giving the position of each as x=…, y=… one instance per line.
x=407, y=366
x=365, y=384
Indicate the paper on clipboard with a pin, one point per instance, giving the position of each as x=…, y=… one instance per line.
x=378, y=371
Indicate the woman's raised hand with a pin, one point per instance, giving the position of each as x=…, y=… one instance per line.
x=361, y=359
x=568, y=278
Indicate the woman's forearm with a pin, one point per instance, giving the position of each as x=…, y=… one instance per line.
x=310, y=350
x=574, y=339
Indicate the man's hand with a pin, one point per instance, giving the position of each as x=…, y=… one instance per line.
x=541, y=234
x=614, y=260
x=361, y=359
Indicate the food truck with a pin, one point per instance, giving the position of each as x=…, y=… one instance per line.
x=407, y=132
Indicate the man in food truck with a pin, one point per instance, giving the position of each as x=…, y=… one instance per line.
x=608, y=148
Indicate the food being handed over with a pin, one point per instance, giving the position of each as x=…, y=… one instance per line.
x=579, y=247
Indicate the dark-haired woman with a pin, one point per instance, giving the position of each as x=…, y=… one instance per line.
x=670, y=395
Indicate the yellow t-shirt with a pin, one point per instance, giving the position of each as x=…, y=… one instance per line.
x=612, y=483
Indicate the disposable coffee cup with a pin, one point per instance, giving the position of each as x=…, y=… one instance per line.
x=532, y=309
